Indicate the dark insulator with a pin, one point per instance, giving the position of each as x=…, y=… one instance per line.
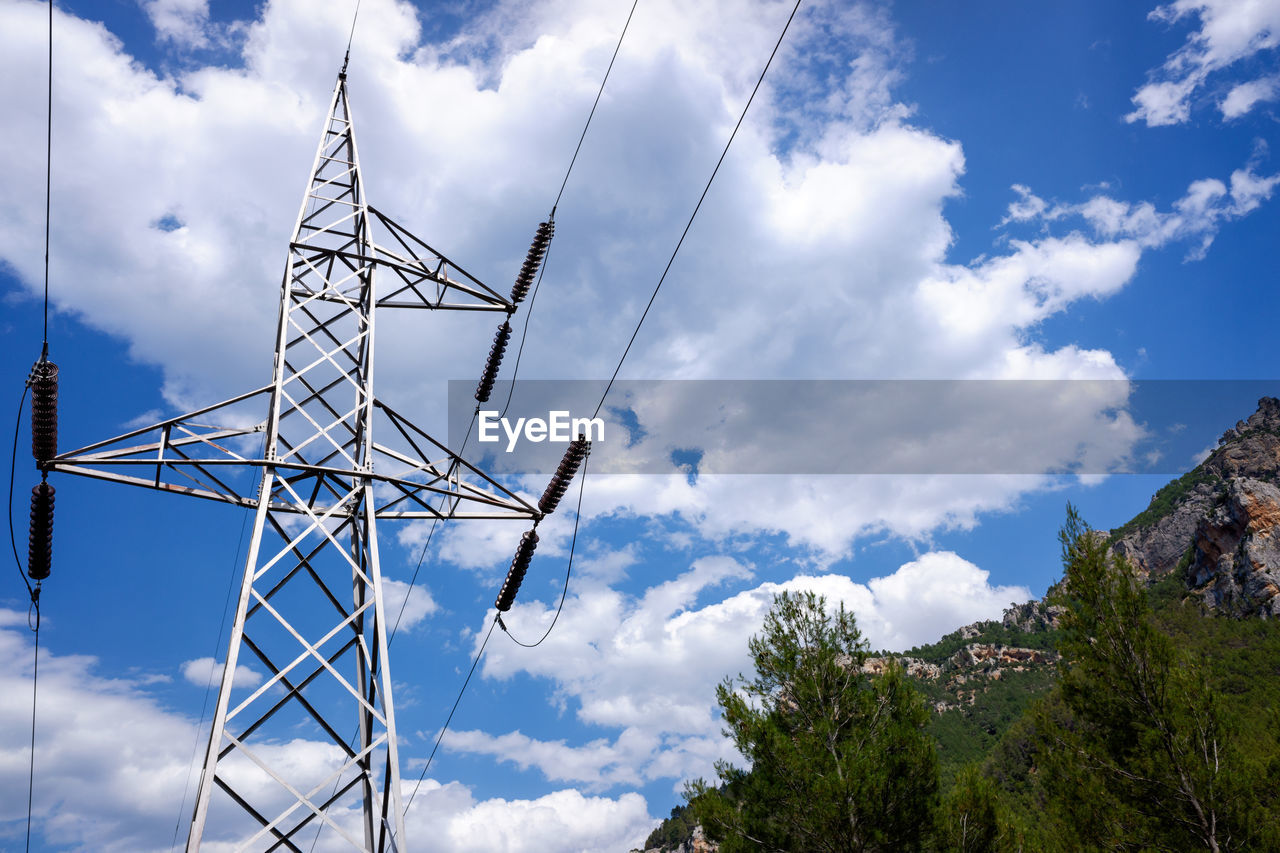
x=515, y=576
x=40, y=537
x=44, y=411
x=533, y=260
x=573, y=456
x=490, y=375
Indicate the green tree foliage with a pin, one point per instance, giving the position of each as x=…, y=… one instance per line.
x=840, y=761
x=1137, y=753
x=970, y=818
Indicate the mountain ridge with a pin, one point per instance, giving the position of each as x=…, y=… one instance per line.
x=1209, y=538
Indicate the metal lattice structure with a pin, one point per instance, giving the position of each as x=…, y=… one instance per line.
x=322, y=484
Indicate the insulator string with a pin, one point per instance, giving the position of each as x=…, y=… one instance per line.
x=697, y=207
x=573, y=545
x=492, y=364
x=40, y=532
x=515, y=575
x=532, y=261
x=13, y=538
x=563, y=476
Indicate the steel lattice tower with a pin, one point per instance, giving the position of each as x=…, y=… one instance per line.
x=322, y=484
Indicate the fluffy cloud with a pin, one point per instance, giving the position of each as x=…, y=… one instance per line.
x=562, y=820
x=203, y=672
x=183, y=22
x=842, y=197
x=1229, y=32
x=406, y=606
x=122, y=792
x=609, y=650
x=1242, y=98
x=1195, y=217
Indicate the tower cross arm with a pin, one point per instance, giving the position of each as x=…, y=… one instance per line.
x=415, y=262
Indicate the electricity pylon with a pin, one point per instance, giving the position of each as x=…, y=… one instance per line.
x=322, y=484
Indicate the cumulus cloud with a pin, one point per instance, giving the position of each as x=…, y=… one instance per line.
x=1244, y=97
x=609, y=649
x=405, y=605
x=203, y=672
x=561, y=820
x=1229, y=32
x=1196, y=217
x=182, y=22
x=122, y=792
x=844, y=198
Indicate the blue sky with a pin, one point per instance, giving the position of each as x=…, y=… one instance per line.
x=923, y=191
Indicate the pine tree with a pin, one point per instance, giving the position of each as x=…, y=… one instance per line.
x=840, y=761
x=1136, y=755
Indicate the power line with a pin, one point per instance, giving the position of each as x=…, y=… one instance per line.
x=48, y=186
x=350, y=37
x=556, y=204
x=35, y=681
x=448, y=720
x=217, y=645
x=574, y=159
x=533, y=299
x=697, y=207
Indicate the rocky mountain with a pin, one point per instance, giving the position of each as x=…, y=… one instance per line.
x=1211, y=536
x=1218, y=527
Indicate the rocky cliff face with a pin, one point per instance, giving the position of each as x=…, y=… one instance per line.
x=1219, y=526
x=696, y=843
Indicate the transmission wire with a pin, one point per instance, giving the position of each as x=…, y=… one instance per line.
x=697, y=207
x=574, y=159
x=217, y=644
x=448, y=720
x=533, y=297
x=48, y=186
x=44, y=355
x=35, y=681
x=515, y=372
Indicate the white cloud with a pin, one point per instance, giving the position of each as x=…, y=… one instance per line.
x=112, y=763
x=182, y=22
x=203, y=672
x=559, y=821
x=405, y=605
x=1028, y=206
x=1230, y=31
x=842, y=203
x=1242, y=98
x=609, y=650
x=1195, y=217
